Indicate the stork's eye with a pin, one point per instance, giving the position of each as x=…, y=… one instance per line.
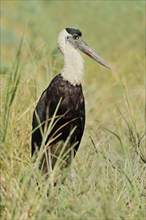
x=75, y=36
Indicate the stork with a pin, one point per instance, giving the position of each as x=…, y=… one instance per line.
x=63, y=95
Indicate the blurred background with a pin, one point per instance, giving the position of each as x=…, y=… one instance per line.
x=115, y=101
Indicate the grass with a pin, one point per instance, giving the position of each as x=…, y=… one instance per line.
x=109, y=167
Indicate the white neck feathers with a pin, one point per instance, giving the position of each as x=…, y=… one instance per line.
x=73, y=69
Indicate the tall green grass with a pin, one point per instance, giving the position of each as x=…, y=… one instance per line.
x=109, y=168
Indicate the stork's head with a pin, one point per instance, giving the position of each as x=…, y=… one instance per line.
x=70, y=39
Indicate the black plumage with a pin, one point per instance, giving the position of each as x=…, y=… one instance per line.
x=73, y=31
x=71, y=113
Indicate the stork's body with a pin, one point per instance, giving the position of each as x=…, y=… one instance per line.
x=66, y=90
x=71, y=115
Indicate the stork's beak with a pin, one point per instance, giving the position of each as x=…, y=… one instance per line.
x=82, y=46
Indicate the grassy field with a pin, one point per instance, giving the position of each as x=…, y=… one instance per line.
x=109, y=167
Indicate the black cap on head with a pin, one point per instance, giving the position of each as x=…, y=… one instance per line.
x=73, y=31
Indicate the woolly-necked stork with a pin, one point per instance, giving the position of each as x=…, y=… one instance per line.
x=65, y=135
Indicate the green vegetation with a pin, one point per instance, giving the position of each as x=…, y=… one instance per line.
x=109, y=167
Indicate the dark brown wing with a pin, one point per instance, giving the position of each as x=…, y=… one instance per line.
x=71, y=110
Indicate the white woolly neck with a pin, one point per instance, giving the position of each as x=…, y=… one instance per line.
x=73, y=69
